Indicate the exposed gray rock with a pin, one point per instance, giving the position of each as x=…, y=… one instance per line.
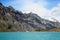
x=25, y=22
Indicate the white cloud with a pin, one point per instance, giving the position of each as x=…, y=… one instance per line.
x=32, y=6
x=55, y=12
x=39, y=8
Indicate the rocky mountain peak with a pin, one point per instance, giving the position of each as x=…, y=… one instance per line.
x=14, y=20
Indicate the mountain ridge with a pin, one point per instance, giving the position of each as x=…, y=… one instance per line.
x=14, y=20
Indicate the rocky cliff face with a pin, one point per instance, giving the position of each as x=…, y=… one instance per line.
x=14, y=20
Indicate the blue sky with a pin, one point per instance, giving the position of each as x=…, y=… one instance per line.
x=44, y=8
x=20, y=3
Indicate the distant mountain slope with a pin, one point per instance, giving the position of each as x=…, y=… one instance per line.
x=14, y=20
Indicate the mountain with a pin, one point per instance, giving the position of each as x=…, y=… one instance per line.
x=14, y=20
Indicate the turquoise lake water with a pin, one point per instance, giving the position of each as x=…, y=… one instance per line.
x=29, y=35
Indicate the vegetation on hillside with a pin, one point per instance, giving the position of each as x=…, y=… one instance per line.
x=6, y=26
x=50, y=30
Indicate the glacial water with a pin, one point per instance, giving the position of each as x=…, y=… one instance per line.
x=29, y=35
